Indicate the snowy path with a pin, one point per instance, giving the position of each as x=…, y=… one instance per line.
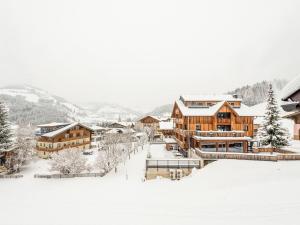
x=225, y=192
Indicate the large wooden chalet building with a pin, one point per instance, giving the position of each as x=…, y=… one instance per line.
x=212, y=123
x=290, y=96
x=55, y=137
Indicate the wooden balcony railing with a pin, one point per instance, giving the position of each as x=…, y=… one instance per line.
x=210, y=133
x=41, y=148
x=220, y=133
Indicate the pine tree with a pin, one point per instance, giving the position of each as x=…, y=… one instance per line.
x=271, y=132
x=5, y=132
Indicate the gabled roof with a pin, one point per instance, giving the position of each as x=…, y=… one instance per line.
x=192, y=98
x=211, y=111
x=291, y=88
x=64, y=129
x=153, y=117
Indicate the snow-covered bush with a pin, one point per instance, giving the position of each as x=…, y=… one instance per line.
x=69, y=161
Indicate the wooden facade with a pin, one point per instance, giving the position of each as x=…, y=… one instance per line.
x=222, y=126
x=149, y=121
x=72, y=136
x=291, y=104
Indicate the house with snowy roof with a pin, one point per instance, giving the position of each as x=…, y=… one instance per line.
x=122, y=125
x=148, y=121
x=290, y=96
x=218, y=123
x=55, y=137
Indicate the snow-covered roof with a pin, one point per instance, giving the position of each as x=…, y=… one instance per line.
x=95, y=128
x=54, y=124
x=170, y=141
x=209, y=98
x=210, y=111
x=292, y=87
x=120, y=130
x=166, y=125
x=64, y=129
x=154, y=117
x=124, y=124
x=260, y=110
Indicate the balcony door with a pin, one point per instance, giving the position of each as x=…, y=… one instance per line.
x=224, y=128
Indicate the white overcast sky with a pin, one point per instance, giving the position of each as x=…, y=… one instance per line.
x=144, y=54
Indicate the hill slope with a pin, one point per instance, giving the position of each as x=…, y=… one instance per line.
x=257, y=93
x=35, y=106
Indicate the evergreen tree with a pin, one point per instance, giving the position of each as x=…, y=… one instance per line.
x=5, y=132
x=271, y=132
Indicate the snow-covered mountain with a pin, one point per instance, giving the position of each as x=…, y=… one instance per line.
x=32, y=105
x=107, y=111
x=258, y=92
x=162, y=111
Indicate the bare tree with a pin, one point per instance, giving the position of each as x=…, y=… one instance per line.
x=143, y=140
x=113, y=153
x=150, y=131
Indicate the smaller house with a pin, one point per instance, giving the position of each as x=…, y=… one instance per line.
x=290, y=96
x=171, y=144
x=97, y=135
x=6, y=155
x=149, y=121
x=122, y=125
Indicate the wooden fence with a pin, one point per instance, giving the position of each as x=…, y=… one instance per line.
x=11, y=176
x=60, y=176
x=246, y=156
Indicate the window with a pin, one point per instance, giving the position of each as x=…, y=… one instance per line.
x=198, y=127
x=67, y=136
x=246, y=128
x=224, y=115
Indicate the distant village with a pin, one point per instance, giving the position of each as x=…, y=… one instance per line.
x=200, y=130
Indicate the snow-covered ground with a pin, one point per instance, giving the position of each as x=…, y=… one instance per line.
x=294, y=146
x=225, y=192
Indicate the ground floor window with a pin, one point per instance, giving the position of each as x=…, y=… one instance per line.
x=221, y=147
x=236, y=147
x=209, y=147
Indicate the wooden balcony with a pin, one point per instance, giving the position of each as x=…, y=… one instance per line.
x=39, y=148
x=220, y=133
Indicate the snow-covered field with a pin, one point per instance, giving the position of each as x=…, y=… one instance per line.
x=224, y=192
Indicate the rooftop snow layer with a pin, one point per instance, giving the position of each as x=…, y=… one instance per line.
x=59, y=131
x=166, y=125
x=292, y=87
x=186, y=111
x=209, y=98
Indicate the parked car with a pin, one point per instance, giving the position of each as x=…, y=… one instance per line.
x=88, y=153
